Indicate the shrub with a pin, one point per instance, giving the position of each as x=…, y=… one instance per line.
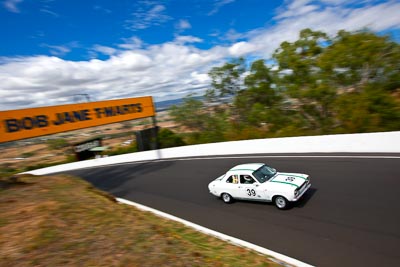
x=168, y=138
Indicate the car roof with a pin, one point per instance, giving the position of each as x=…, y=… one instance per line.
x=247, y=167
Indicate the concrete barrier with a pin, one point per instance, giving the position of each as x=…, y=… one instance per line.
x=385, y=142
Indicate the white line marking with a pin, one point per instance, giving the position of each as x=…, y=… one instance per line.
x=263, y=156
x=255, y=156
x=218, y=235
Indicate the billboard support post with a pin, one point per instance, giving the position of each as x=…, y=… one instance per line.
x=156, y=139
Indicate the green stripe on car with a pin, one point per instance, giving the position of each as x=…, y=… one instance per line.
x=285, y=183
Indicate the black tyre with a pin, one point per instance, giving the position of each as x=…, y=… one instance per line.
x=226, y=198
x=281, y=202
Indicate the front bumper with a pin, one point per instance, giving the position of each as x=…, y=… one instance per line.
x=302, y=192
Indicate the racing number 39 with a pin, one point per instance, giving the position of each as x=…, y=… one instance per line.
x=251, y=192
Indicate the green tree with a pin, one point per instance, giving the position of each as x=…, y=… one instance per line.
x=365, y=69
x=299, y=76
x=355, y=60
x=191, y=114
x=217, y=125
x=260, y=102
x=299, y=60
x=226, y=80
x=209, y=124
x=319, y=85
x=259, y=82
x=371, y=110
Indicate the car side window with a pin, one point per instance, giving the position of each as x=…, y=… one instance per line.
x=233, y=179
x=246, y=179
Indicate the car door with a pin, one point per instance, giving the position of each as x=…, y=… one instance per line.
x=232, y=186
x=249, y=188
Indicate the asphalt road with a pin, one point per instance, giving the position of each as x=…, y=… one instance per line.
x=350, y=216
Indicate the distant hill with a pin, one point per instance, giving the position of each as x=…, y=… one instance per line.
x=165, y=105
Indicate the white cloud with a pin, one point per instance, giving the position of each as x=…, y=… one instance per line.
x=326, y=18
x=11, y=5
x=297, y=11
x=231, y=35
x=338, y=2
x=218, y=4
x=48, y=11
x=57, y=50
x=242, y=48
x=131, y=43
x=376, y=18
x=183, y=25
x=148, y=14
x=166, y=71
x=182, y=39
x=109, y=51
x=60, y=50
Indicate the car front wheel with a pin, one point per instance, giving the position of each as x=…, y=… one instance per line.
x=226, y=198
x=281, y=202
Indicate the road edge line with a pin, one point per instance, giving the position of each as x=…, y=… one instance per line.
x=221, y=236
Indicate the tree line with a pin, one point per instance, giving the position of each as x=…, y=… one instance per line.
x=349, y=83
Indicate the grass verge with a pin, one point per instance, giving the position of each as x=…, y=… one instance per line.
x=64, y=221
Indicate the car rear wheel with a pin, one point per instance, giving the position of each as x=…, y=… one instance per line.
x=226, y=198
x=281, y=202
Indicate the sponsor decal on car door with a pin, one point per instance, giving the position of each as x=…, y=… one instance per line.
x=249, y=188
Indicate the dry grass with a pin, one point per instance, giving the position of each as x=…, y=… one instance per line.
x=64, y=221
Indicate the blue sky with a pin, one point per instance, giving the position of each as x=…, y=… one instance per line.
x=54, y=49
x=74, y=29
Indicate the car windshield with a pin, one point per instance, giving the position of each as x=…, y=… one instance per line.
x=264, y=173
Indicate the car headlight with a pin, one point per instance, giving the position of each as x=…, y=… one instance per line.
x=296, y=191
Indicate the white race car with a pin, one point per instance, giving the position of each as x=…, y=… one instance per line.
x=259, y=182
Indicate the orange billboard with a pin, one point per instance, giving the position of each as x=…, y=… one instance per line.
x=33, y=122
